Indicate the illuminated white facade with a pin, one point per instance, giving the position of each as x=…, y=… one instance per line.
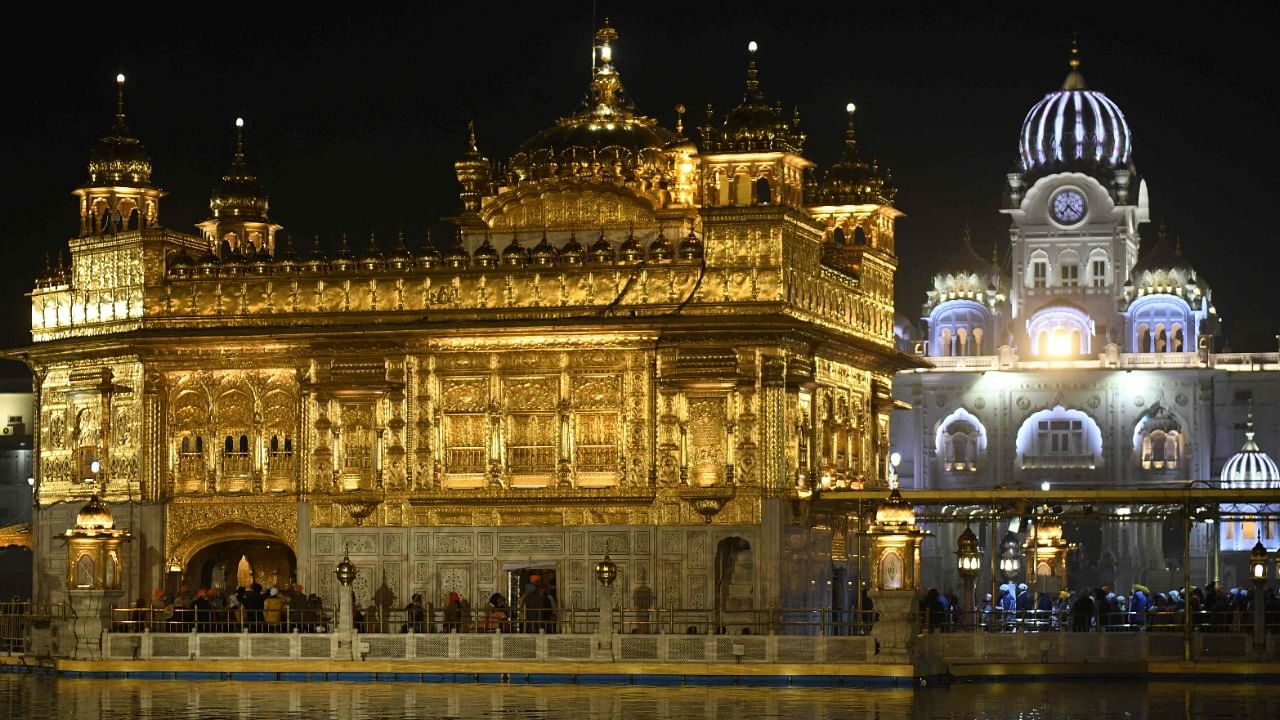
x=1078, y=358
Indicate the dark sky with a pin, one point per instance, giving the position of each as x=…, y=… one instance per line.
x=355, y=117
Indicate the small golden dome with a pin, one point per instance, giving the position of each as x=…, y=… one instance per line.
x=94, y=516
x=896, y=512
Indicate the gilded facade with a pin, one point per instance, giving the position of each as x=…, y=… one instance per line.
x=636, y=344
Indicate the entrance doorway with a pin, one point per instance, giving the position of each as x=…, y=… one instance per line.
x=241, y=563
x=534, y=600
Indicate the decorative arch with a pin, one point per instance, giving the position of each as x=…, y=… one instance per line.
x=1061, y=330
x=1059, y=437
x=1038, y=273
x=1099, y=267
x=948, y=319
x=1161, y=323
x=960, y=441
x=1159, y=441
x=1069, y=267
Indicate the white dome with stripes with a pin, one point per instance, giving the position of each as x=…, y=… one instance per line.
x=1250, y=468
x=1074, y=124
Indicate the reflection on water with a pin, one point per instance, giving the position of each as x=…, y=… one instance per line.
x=75, y=699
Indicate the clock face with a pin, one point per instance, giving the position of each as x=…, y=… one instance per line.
x=1068, y=207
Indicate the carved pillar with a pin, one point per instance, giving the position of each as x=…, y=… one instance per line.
x=105, y=389
x=773, y=417
x=302, y=443
x=156, y=447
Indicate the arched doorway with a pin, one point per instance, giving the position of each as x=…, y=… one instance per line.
x=232, y=555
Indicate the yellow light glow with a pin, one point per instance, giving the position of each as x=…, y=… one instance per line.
x=120, y=78
x=1059, y=343
x=850, y=107
x=606, y=53
x=752, y=46
x=239, y=122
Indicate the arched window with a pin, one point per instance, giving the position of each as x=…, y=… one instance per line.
x=859, y=236
x=764, y=194
x=1059, y=438
x=244, y=444
x=1098, y=268
x=838, y=237
x=1160, y=323
x=275, y=443
x=962, y=341
x=960, y=441
x=1069, y=268
x=199, y=444
x=1158, y=440
x=186, y=445
x=288, y=445
x=1038, y=271
x=1061, y=330
x=229, y=445
x=945, y=348
x=956, y=327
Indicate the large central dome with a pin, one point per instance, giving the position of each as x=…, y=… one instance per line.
x=604, y=139
x=1073, y=125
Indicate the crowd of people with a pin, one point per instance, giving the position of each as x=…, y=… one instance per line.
x=254, y=608
x=1016, y=607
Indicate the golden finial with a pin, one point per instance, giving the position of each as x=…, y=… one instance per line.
x=120, y=98
x=239, y=139
x=1074, y=62
x=1074, y=81
x=964, y=234
x=849, y=140
x=753, y=74
x=680, y=119
x=471, y=135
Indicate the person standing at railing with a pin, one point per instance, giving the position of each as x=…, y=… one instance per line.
x=202, y=611
x=297, y=603
x=453, y=613
x=1140, y=606
x=1082, y=611
x=986, y=612
x=415, y=614
x=273, y=610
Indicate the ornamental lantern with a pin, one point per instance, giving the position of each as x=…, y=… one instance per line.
x=346, y=571
x=1258, y=564
x=968, y=554
x=606, y=571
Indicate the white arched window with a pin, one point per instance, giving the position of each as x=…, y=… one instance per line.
x=1069, y=268
x=958, y=327
x=1158, y=440
x=960, y=441
x=1038, y=270
x=1098, y=268
x=1161, y=323
x=1059, y=438
x=1060, y=331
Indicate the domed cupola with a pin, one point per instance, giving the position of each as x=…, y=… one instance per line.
x=691, y=247
x=456, y=256
x=317, y=261
x=238, y=205
x=472, y=172
x=753, y=126
x=486, y=256
x=119, y=158
x=181, y=264
x=660, y=248
x=400, y=258
x=429, y=257
x=515, y=255
x=966, y=275
x=605, y=140
x=602, y=250
x=118, y=194
x=1075, y=128
x=631, y=250
x=572, y=253
x=544, y=253
x=1251, y=467
x=344, y=260
x=1163, y=270
x=853, y=181
x=371, y=259
x=94, y=516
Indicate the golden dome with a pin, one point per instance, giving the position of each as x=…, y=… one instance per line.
x=753, y=126
x=239, y=195
x=119, y=158
x=852, y=180
x=94, y=516
x=895, y=513
x=604, y=139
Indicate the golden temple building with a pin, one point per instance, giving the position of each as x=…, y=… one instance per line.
x=637, y=344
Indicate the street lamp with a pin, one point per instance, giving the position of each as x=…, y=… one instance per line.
x=606, y=573
x=1010, y=563
x=1258, y=573
x=968, y=562
x=895, y=459
x=346, y=574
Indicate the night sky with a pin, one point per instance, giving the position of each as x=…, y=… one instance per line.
x=354, y=119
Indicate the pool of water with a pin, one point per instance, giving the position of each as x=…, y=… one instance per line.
x=45, y=696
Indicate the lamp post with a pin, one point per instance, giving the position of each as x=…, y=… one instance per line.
x=968, y=561
x=346, y=573
x=1258, y=573
x=606, y=573
x=895, y=459
x=1010, y=563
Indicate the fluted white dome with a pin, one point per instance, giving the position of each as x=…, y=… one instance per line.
x=1074, y=124
x=1251, y=467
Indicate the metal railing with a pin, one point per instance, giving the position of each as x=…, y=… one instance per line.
x=17, y=617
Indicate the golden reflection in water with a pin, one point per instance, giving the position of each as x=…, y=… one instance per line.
x=109, y=699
